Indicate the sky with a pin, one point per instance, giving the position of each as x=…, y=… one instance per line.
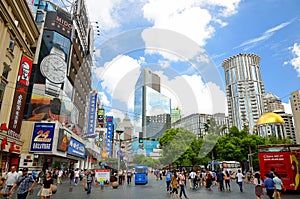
x=185, y=43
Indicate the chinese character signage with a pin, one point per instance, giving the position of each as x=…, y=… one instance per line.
x=42, y=137
x=76, y=148
x=110, y=132
x=92, y=115
x=19, y=101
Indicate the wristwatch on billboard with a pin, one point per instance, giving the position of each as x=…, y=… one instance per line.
x=54, y=68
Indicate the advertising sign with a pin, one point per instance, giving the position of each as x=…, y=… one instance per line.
x=64, y=139
x=17, y=109
x=100, y=117
x=103, y=175
x=60, y=22
x=92, y=114
x=110, y=132
x=42, y=137
x=76, y=148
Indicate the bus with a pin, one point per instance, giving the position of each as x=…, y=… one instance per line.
x=285, y=159
x=231, y=166
x=141, y=175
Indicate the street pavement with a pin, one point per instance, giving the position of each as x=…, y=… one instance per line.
x=153, y=190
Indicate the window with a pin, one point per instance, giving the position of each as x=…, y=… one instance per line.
x=11, y=45
x=5, y=72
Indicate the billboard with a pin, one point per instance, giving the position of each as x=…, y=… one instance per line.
x=76, y=148
x=59, y=21
x=42, y=137
x=109, y=134
x=92, y=114
x=100, y=117
x=64, y=139
x=102, y=175
x=17, y=109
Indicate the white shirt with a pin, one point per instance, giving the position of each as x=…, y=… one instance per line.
x=60, y=173
x=11, y=178
x=192, y=174
x=240, y=177
x=76, y=173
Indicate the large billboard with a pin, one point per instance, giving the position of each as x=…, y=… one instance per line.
x=17, y=109
x=59, y=21
x=64, y=139
x=42, y=137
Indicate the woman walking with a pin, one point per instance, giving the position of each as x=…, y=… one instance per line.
x=227, y=180
x=278, y=186
x=174, y=186
x=47, y=187
x=240, y=180
x=182, y=184
x=258, y=186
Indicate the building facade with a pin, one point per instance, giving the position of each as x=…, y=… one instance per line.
x=273, y=103
x=288, y=125
x=295, y=104
x=18, y=36
x=244, y=90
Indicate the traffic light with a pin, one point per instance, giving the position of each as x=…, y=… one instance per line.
x=140, y=137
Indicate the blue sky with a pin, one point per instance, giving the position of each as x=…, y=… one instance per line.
x=185, y=43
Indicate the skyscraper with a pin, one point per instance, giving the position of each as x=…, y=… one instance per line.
x=149, y=102
x=273, y=103
x=295, y=104
x=244, y=90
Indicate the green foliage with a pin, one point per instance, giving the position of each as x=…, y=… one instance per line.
x=148, y=161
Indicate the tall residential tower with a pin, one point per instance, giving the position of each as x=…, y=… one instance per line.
x=245, y=90
x=295, y=104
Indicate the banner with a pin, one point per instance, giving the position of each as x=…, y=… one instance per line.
x=42, y=137
x=17, y=109
x=110, y=132
x=103, y=175
x=76, y=148
x=92, y=115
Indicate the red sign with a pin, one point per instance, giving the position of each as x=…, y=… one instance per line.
x=20, y=95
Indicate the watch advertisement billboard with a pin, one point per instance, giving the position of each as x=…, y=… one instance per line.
x=42, y=137
x=17, y=109
x=76, y=148
x=59, y=21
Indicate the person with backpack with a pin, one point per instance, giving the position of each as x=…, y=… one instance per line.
x=89, y=181
x=25, y=184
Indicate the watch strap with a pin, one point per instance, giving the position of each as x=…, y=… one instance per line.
x=52, y=89
x=58, y=52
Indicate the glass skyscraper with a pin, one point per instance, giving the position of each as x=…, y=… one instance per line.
x=244, y=90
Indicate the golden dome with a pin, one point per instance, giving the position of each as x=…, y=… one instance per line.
x=270, y=118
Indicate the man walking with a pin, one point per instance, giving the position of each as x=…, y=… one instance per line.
x=11, y=179
x=59, y=176
x=25, y=184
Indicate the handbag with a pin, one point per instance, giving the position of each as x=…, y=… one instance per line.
x=54, y=189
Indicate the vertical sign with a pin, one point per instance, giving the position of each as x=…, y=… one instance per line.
x=18, y=105
x=100, y=117
x=92, y=114
x=110, y=132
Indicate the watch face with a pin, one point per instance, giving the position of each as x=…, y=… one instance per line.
x=54, y=68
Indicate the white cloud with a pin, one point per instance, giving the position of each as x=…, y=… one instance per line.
x=266, y=35
x=103, y=99
x=296, y=61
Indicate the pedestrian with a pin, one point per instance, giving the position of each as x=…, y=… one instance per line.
x=89, y=181
x=227, y=180
x=220, y=178
x=71, y=176
x=59, y=176
x=272, y=171
x=11, y=179
x=192, y=177
x=129, y=175
x=174, y=185
x=278, y=186
x=168, y=180
x=120, y=175
x=76, y=175
x=25, y=184
x=239, y=178
x=208, y=180
x=182, y=184
x=3, y=187
x=269, y=185
x=258, y=186
x=46, y=191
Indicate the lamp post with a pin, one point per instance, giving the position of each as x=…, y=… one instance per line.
x=119, y=158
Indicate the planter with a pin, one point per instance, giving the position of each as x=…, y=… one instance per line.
x=115, y=185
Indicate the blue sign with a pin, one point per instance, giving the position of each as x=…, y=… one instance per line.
x=92, y=115
x=110, y=133
x=42, y=137
x=76, y=148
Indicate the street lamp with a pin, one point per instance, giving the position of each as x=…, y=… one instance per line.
x=119, y=158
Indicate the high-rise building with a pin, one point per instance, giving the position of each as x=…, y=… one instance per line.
x=149, y=102
x=273, y=103
x=295, y=104
x=244, y=90
x=288, y=125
